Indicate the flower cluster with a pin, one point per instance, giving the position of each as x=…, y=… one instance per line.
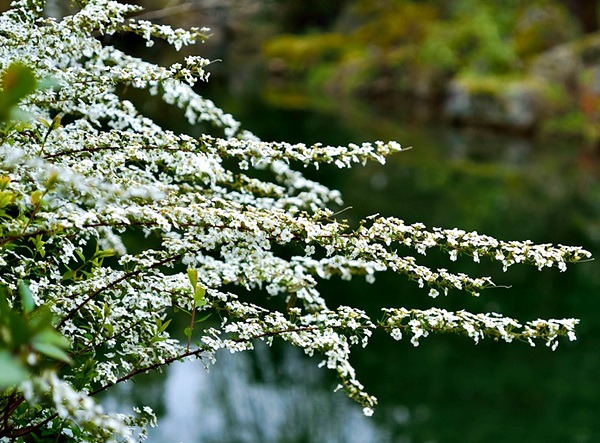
x=77, y=407
x=217, y=220
x=419, y=323
x=457, y=241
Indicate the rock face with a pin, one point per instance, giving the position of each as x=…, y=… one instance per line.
x=511, y=104
x=571, y=71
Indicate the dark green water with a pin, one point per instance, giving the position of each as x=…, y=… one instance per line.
x=447, y=389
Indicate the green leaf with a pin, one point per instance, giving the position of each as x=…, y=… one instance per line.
x=51, y=181
x=193, y=276
x=41, y=319
x=106, y=309
x=52, y=344
x=17, y=81
x=188, y=332
x=104, y=253
x=36, y=197
x=6, y=198
x=53, y=337
x=26, y=296
x=11, y=371
x=109, y=328
x=38, y=243
x=164, y=326
x=200, y=320
x=4, y=182
x=19, y=330
x=4, y=307
x=51, y=351
x=176, y=309
x=56, y=122
x=69, y=274
x=199, y=293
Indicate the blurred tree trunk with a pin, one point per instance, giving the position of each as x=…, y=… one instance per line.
x=586, y=12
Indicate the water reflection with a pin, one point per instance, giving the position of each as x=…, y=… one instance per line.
x=252, y=398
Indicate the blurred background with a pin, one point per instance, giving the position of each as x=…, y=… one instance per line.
x=501, y=103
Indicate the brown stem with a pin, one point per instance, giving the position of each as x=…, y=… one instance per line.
x=191, y=324
x=22, y=432
x=110, y=148
x=13, y=403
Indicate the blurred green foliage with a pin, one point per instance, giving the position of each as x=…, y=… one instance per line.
x=413, y=41
x=425, y=48
x=17, y=82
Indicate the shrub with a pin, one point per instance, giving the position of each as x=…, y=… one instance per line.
x=81, y=169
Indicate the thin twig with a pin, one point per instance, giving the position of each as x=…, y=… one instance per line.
x=124, y=277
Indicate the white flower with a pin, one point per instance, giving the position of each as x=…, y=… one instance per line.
x=396, y=334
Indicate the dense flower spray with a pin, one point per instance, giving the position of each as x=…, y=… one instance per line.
x=84, y=168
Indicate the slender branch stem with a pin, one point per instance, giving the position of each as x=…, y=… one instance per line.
x=112, y=148
x=22, y=432
x=14, y=402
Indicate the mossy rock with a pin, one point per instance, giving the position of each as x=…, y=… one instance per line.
x=502, y=102
x=564, y=63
